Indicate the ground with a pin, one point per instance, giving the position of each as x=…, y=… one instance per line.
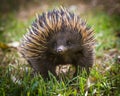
x=16, y=73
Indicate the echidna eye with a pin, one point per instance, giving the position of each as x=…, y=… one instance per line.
x=69, y=42
x=54, y=44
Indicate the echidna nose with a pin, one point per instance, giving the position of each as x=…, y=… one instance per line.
x=61, y=49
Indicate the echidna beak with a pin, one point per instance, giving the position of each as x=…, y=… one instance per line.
x=61, y=49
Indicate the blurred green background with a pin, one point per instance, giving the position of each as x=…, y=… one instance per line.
x=103, y=15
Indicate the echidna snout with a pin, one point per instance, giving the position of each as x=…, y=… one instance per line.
x=61, y=49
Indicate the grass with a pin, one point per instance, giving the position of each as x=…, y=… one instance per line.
x=15, y=77
x=12, y=29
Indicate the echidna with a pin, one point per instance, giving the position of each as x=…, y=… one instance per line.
x=58, y=37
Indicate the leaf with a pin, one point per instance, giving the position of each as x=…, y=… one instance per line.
x=3, y=46
x=10, y=45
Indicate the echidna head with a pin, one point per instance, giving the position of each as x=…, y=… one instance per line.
x=66, y=41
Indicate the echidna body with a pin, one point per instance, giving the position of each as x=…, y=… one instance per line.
x=58, y=37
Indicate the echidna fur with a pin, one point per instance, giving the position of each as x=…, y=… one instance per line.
x=36, y=44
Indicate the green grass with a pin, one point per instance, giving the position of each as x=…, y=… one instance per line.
x=12, y=29
x=104, y=82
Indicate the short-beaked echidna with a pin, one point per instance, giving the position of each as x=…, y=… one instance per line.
x=58, y=37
